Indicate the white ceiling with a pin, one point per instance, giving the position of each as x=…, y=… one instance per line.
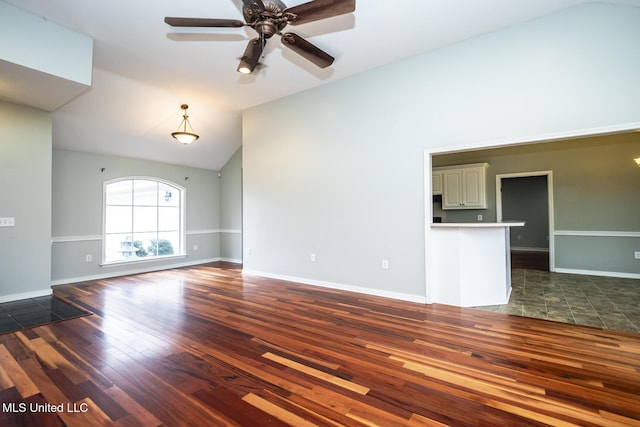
x=144, y=69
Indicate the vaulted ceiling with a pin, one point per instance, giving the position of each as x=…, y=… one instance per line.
x=144, y=69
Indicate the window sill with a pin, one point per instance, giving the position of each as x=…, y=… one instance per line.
x=142, y=260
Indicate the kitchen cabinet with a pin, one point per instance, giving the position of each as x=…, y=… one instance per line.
x=464, y=186
x=436, y=182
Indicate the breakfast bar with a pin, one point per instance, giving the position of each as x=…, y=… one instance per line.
x=471, y=263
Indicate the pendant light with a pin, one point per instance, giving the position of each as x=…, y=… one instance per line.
x=181, y=134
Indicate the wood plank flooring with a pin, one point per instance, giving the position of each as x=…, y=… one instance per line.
x=532, y=260
x=205, y=346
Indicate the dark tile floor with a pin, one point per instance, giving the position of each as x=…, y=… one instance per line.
x=604, y=302
x=17, y=315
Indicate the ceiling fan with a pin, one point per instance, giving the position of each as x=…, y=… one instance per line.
x=269, y=17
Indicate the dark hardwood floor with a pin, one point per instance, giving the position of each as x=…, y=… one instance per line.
x=205, y=346
x=532, y=260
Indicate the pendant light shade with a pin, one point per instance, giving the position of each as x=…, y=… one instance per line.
x=181, y=134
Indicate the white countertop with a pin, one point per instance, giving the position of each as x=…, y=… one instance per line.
x=477, y=224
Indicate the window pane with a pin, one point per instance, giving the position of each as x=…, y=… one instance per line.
x=118, y=219
x=168, y=195
x=169, y=219
x=146, y=241
x=145, y=218
x=119, y=193
x=119, y=247
x=169, y=243
x=145, y=193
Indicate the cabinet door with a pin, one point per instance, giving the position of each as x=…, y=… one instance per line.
x=436, y=183
x=473, y=188
x=452, y=195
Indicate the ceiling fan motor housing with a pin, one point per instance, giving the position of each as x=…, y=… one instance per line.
x=266, y=21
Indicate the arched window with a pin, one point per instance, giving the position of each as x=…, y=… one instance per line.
x=143, y=220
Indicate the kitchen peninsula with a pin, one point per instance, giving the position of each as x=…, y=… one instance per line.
x=471, y=263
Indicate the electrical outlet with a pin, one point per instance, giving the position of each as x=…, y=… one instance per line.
x=88, y=258
x=479, y=217
x=195, y=247
x=637, y=254
x=248, y=251
x=312, y=257
x=385, y=264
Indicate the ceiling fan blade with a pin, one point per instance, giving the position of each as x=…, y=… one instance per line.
x=319, y=9
x=307, y=50
x=203, y=22
x=251, y=55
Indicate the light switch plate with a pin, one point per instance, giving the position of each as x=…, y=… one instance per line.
x=7, y=222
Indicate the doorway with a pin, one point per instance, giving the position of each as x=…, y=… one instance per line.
x=528, y=197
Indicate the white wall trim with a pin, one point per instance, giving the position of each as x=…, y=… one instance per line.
x=232, y=260
x=230, y=231
x=64, y=239
x=597, y=233
x=26, y=295
x=88, y=238
x=339, y=286
x=213, y=231
x=131, y=272
x=428, y=219
x=527, y=249
x=548, y=137
x=599, y=273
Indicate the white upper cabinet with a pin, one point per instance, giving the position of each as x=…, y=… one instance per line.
x=436, y=182
x=464, y=186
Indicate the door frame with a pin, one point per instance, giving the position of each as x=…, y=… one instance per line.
x=550, y=231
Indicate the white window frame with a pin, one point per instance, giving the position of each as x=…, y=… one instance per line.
x=180, y=253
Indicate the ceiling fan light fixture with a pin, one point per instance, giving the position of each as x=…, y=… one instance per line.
x=251, y=56
x=244, y=68
x=181, y=134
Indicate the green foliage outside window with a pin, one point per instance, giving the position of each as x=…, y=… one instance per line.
x=159, y=247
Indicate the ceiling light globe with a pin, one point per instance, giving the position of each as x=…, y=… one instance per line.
x=185, y=137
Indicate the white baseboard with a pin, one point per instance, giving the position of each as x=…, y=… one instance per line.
x=232, y=260
x=130, y=272
x=26, y=295
x=340, y=286
x=526, y=249
x=598, y=273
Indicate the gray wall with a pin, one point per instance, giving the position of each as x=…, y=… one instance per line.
x=231, y=209
x=77, y=212
x=25, y=171
x=346, y=180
